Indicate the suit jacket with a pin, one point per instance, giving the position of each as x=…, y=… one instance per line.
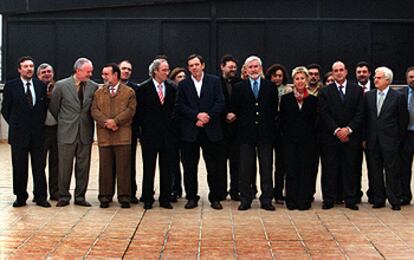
x=157, y=121
x=120, y=107
x=211, y=101
x=256, y=119
x=335, y=114
x=73, y=119
x=229, y=129
x=135, y=123
x=389, y=127
x=298, y=126
x=26, y=124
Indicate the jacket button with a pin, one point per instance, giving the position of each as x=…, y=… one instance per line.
x=257, y=103
x=256, y=122
x=257, y=113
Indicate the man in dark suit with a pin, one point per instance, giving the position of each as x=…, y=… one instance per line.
x=385, y=120
x=126, y=70
x=70, y=103
x=24, y=109
x=156, y=99
x=228, y=78
x=255, y=103
x=200, y=108
x=341, y=113
x=407, y=148
x=363, y=74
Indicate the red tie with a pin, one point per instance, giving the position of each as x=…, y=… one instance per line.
x=112, y=91
x=160, y=94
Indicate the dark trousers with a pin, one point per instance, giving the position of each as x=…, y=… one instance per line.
x=382, y=162
x=215, y=163
x=299, y=162
x=339, y=163
x=20, y=161
x=248, y=155
x=149, y=158
x=232, y=154
x=176, y=180
x=109, y=156
x=133, y=181
x=51, y=148
x=280, y=172
x=407, y=153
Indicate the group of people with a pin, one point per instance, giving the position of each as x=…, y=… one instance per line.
x=236, y=122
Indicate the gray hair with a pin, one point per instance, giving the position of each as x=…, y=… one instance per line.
x=300, y=69
x=44, y=66
x=80, y=62
x=155, y=64
x=387, y=73
x=252, y=58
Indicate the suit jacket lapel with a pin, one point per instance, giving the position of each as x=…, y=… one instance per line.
x=335, y=91
x=72, y=89
x=154, y=94
x=386, y=101
x=204, y=88
x=37, y=92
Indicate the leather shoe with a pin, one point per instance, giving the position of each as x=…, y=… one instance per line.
x=235, y=197
x=43, y=203
x=18, y=204
x=352, y=206
x=327, y=205
x=173, y=198
x=216, y=205
x=62, y=203
x=405, y=202
x=125, y=205
x=339, y=202
x=268, y=207
x=83, y=203
x=378, y=205
x=396, y=207
x=134, y=200
x=244, y=206
x=54, y=198
x=166, y=205
x=191, y=204
x=104, y=205
x=147, y=205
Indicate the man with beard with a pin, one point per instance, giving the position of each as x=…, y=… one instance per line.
x=315, y=83
x=228, y=78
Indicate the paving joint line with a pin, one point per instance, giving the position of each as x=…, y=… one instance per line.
x=269, y=244
x=166, y=236
x=302, y=241
x=133, y=234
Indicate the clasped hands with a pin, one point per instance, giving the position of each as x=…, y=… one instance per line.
x=111, y=124
x=202, y=119
x=342, y=134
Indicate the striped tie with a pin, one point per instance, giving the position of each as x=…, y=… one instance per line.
x=160, y=94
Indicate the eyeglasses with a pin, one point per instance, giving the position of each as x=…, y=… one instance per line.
x=126, y=68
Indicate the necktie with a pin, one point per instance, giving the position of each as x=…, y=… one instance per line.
x=112, y=91
x=80, y=92
x=160, y=94
x=341, y=93
x=29, y=96
x=255, y=89
x=380, y=101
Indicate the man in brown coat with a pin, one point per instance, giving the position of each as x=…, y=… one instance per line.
x=113, y=108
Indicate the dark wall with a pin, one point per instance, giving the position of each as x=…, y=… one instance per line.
x=295, y=32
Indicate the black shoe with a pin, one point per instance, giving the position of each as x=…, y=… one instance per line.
x=244, y=206
x=18, y=204
x=54, y=198
x=304, y=207
x=173, y=198
x=291, y=207
x=352, y=206
x=191, y=204
x=147, y=205
x=216, y=205
x=370, y=201
x=235, y=197
x=405, y=202
x=104, y=205
x=62, y=203
x=327, y=205
x=339, y=202
x=268, y=207
x=166, y=205
x=43, y=203
x=82, y=203
x=134, y=200
x=358, y=201
x=396, y=207
x=125, y=205
x=378, y=205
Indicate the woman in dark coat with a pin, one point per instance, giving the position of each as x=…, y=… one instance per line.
x=298, y=115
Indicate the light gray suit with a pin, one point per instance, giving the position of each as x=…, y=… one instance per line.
x=75, y=134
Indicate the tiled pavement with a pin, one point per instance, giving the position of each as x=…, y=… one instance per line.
x=32, y=232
